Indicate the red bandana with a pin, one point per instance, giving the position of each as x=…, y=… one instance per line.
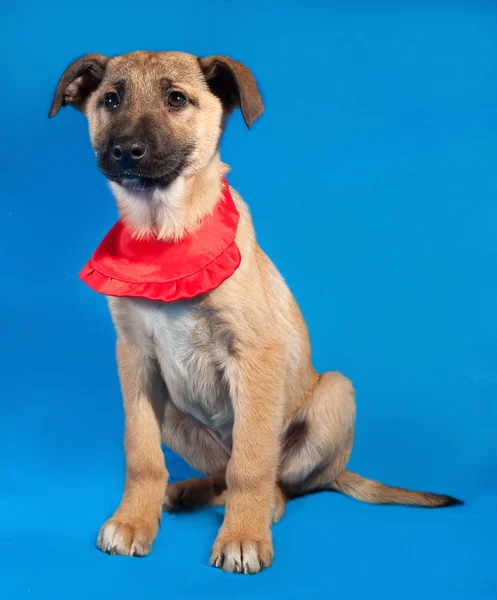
x=168, y=271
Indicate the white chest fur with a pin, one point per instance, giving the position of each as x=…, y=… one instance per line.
x=192, y=344
x=170, y=327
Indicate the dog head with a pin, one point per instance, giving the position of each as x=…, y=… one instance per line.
x=156, y=116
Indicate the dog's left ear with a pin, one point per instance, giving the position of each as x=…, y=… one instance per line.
x=78, y=81
x=234, y=85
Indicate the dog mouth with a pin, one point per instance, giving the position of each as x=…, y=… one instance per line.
x=157, y=170
x=137, y=182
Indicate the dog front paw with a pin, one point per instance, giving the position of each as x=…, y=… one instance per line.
x=236, y=554
x=127, y=538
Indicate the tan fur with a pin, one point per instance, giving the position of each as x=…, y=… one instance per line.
x=134, y=525
x=226, y=379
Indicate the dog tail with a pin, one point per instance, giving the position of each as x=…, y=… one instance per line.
x=374, y=492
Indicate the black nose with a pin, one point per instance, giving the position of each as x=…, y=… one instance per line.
x=128, y=154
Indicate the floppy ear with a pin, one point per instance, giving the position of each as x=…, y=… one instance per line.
x=234, y=85
x=78, y=81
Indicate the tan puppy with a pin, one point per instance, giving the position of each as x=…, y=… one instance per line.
x=225, y=380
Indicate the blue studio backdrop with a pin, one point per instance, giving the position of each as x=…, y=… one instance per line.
x=372, y=180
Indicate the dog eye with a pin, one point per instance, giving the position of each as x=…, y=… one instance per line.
x=176, y=100
x=111, y=100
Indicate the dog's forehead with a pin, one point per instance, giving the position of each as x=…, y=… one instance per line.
x=152, y=66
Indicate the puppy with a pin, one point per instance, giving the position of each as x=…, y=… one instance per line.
x=223, y=377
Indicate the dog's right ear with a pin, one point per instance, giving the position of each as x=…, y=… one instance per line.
x=79, y=80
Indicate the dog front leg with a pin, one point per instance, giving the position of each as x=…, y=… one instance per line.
x=134, y=525
x=244, y=544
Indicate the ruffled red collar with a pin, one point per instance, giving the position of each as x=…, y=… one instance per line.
x=163, y=270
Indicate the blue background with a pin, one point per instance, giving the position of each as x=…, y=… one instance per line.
x=372, y=179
